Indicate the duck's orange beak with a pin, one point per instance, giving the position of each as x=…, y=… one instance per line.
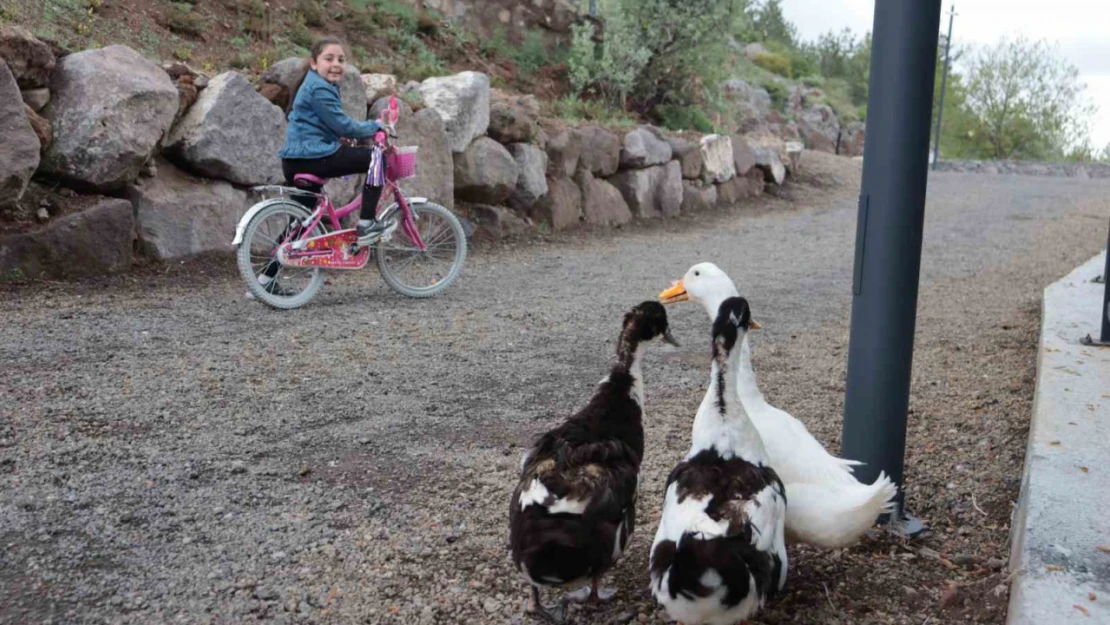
x=675, y=294
x=754, y=325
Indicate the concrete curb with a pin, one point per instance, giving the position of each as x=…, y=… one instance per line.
x=1063, y=516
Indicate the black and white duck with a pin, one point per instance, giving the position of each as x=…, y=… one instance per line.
x=574, y=508
x=720, y=549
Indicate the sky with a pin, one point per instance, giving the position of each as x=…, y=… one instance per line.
x=1078, y=26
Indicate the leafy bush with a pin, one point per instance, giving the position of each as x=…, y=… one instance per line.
x=181, y=19
x=774, y=63
x=779, y=92
x=611, y=70
x=571, y=108
x=311, y=12
x=685, y=118
x=531, y=55
x=299, y=34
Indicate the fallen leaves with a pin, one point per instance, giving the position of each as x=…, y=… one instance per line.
x=1054, y=568
x=1054, y=443
x=1104, y=548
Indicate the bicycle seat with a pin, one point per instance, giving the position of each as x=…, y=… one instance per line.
x=308, y=180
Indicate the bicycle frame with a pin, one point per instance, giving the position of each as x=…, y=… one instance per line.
x=408, y=224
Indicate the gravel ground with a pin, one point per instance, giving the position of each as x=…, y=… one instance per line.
x=173, y=452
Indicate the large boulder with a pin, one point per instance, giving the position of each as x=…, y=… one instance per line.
x=378, y=86
x=743, y=159
x=178, y=215
x=852, y=139
x=41, y=127
x=19, y=151
x=231, y=133
x=767, y=159
x=485, y=172
x=688, y=155
x=496, y=222
x=757, y=99
x=561, y=207
x=718, y=164
x=644, y=147
x=286, y=72
x=512, y=118
x=37, y=99
x=31, y=61
x=599, y=150
x=819, y=128
x=531, y=184
x=652, y=192
x=563, y=149
x=602, y=203
x=739, y=188
x=95, y=241
x=462, y=101
x=697, y=197
x=435, y=165
x=110, y=109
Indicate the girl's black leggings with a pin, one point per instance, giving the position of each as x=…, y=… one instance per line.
x=349, y=160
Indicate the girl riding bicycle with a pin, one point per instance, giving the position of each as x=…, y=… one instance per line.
x=316, y=125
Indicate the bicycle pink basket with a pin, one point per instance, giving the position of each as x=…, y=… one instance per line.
x=401, y=163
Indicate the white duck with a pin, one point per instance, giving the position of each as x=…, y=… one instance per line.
x=829, y=507
x=720, y=550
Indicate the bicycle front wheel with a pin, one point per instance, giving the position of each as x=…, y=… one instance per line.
x=416, y=273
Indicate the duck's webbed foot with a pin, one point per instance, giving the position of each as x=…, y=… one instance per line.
x=555, y=614
x=592, y=594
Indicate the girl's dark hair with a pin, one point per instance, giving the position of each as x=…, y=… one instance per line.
x=317, y=49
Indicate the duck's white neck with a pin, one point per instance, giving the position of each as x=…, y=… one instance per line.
x=722, y=423
x=746, y=385
x=630, y=358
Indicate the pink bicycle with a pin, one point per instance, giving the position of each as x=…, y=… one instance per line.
x=419, y=253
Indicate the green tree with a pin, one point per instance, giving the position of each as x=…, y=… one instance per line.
x=686, y=50
x=769, y=24
x=1026, y=102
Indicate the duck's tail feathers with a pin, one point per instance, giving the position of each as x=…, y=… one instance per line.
x=834, y=516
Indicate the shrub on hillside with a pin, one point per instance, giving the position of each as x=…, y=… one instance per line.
x=685, y=118
x=774, y=63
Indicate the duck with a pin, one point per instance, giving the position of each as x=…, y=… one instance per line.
x=573, y=510
x=829, y=507
x=719, y=552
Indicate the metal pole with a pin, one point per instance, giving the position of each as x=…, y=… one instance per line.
x=888, y=240
x=943, y=84
x=1104, y=332
x=1104, y=336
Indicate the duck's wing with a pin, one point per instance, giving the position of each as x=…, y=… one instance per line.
x=573, y=510
x=794, y=452
x=722, y=527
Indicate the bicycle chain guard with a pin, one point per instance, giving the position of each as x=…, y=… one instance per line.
x=329, y=251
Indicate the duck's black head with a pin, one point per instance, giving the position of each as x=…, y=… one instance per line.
x=734, y=317
x=647, y=321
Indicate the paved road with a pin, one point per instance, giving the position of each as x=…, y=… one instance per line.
x=171, y=450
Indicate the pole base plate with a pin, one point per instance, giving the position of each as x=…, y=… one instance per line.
x=903, y=524
x=1091, y=342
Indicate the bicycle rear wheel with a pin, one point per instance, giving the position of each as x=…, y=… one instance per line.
x=416, y=273
x=290, y=287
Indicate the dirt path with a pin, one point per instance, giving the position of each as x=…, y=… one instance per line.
x=173, y=452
